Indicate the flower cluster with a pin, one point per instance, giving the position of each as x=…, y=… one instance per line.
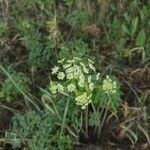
x=83, y=100
x=80, y=80
x=109, y=86
x=75, y=77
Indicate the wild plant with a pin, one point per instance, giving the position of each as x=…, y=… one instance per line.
x=8, y=89
x=80, y=83
x=3, y=28
x=76, y=48
x=37, y=131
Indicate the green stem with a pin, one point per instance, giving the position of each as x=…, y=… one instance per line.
x=48, y=96
x=93, y=106
x=64, y=117
x=102, y=123
x=104, y=116
x=95, y=128
x=86, y=122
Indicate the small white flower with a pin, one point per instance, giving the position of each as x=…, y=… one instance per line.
x=53, y=87
x=70, y=73
x=61, y=76
x=82, y=64
x=77, y=58
x=77, y=72
x=91, y=86
x=71, y=87
x=89, y=79
x=109, y=86
x=70, y=76
x=60, y=88
x=55, y=70
x=61, y=61
x=90, y=61
x=92, y=67
x=114, y=84
x=97, y=76
x=85, y=70
x=69, y=70
x=83, y=100
x=71, y=61
x=66, y=66
x=85, y=105
x=81, y=81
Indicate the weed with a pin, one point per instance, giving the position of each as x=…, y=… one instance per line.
x=77, y=18
x=76, y=48
x=37, y=131
x=76, y=80
x=8, y=90
x=3, y=28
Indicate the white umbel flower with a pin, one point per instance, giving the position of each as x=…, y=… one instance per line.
x=92, y=67
x=97, y=76
x=89, y=79
x=61, y=76
x=91, y=86
x=66, y=66
x=60, y=88
x=71, y=87
x=55, y=70
x=81, y=81
x=109, y=86
x=61, y=61
x=83, y=100
x=90, y=61
x=53, y=87
x=85, y=70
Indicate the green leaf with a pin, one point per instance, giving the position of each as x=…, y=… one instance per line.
x=142, y=15
x=134, y=26
x=94, y=119
x=125, y=29
x=127, y=17
x=141, y=37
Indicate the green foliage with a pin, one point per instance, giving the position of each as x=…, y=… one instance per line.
x=39, y=51
x=31, y=26
x=106, y=97
x=39, y=55
x=38, y=131
x=68, y=2
x=3, y=28
x=76, y=48
x=24, y=26
x=128, y=29
x=94, y=119
x=45, y=4
x=141, y=37
x=8, y=89
x=36, y=33
x=131, y=27
x=76, y=18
